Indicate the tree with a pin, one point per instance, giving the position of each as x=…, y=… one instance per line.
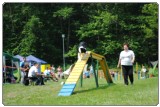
x=65, y=14
x=30, y=37
x=36, y=28
x=150, y=29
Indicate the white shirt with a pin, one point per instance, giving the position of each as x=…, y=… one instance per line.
x=32, y=71
x=47, y=72
x=53, y=69
x=126, y=57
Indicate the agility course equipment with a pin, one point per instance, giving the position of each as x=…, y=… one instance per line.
x=74, y=76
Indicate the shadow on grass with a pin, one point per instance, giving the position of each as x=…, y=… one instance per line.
x=92, y=89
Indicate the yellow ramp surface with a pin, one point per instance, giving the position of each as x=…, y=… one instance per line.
x=79, y=66
x=77, y=70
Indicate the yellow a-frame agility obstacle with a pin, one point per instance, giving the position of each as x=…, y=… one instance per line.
x=76, y=72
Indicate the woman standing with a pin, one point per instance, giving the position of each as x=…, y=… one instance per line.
x=26, y=70
x=126, y=60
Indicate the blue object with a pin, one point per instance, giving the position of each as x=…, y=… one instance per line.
x=34, y=59
x=67, y=90
x=19, y=57
x=86, y=73
x=139, y=73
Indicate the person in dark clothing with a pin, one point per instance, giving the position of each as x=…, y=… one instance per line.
x=26, y=70
x=22, y=69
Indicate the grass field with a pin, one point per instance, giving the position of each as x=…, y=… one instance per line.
x=143, y=92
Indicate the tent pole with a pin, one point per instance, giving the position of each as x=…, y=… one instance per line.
x=4, y=64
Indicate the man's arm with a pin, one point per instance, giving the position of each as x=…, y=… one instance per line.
x=25, y=69
x=119, y=62
x=133, y=57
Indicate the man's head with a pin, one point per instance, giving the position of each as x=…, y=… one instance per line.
x=36, y=64
x=24, y=59
x=125, y=46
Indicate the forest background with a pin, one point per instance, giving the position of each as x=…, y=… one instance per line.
x=37, y=28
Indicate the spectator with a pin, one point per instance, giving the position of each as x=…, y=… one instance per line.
x=68, y=71
x=144, y=70
x=112, y=73
x=126, y=59
x=86, y=73
x=53, y=68
x=60, y=73
x=91, y=70
x=33, y=74
x=26, y=70
x=49, y=74
x=4, y=74
x=22, y=69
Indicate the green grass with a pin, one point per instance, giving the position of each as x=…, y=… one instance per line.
x=143, y=92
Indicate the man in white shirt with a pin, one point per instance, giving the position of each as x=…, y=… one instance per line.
x=33, y=74
x=126, y=60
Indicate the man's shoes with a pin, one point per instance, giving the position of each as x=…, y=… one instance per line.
x=126, y=84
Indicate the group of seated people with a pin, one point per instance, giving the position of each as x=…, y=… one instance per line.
x=32, y=74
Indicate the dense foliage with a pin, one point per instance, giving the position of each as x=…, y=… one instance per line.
x=37, y=28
